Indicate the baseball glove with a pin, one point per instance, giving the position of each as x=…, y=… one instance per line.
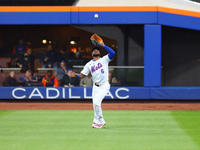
x=96, y=40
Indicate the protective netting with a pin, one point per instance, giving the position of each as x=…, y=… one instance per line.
x=180, y=57
x=39, y=48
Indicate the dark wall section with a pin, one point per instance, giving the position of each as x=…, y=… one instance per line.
x=135, y=36
x=180, y=57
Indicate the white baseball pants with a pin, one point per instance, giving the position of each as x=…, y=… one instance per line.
x=98, y=94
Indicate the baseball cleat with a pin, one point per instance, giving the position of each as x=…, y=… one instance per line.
x=94, y=125
x=99, y=126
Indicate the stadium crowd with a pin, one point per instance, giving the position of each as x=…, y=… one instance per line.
x=59, y=69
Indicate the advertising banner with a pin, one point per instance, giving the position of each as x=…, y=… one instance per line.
x=71, y=93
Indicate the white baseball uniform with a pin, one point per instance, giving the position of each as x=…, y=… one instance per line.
x=99, y=72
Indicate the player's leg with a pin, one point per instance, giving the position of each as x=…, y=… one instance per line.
x=94, y=92
x=99, y=114
x=97, y=99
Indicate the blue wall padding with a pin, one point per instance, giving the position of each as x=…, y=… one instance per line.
x=152, y=55
x=181, y=93
x=117, y=17
x=179, y=21
x=71, y=93
x=77, y=17
x=22, y=18
x=74, y=18
x=81, y=17
x=131, y=93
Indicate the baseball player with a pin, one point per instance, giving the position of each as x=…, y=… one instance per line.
x=98, y=67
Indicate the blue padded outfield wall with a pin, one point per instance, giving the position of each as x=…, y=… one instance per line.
x=71, y=93
x=152, y=17
x=179, y=93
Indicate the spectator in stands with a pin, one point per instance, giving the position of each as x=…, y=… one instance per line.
x=28, y=77
x=87, y=81
x=61, y=71
x=68, y=54
x=50, y=80
x=20, y=48
x=11, y=80
x=68, y=80
x=13, y=63
x=78, y=55
x=51, y=58
x=78, y=60
x=26, y=61
x=111, y=78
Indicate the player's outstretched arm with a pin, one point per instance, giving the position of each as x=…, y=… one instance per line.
x=78, y=75
x=111, y=52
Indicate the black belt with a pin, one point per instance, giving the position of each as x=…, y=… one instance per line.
x=97, y=84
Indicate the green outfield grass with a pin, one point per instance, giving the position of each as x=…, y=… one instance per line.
x=66, y=130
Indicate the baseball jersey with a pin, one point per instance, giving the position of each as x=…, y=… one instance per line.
x=98, y=69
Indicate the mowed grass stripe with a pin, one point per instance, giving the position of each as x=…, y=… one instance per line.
x=189, y=122
x=71, y=129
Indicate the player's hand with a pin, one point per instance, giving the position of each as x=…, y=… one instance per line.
x=74, y=74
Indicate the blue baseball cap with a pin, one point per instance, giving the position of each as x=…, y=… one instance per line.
x=95, y=47
x=69, y=69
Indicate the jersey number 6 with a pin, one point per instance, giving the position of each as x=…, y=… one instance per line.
x=102, y=71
